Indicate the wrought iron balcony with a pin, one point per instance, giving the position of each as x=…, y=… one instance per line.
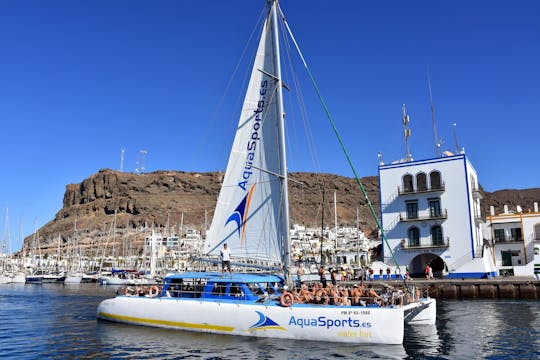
x=477, y=195
x=421, y=190
x=426, y=244
x=423, y=216
x=508, y=239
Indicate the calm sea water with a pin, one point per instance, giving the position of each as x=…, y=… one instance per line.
x=58, y=321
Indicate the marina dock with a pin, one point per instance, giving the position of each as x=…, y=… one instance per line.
x=525, y=288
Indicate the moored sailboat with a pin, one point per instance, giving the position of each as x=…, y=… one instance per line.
x=252, y=218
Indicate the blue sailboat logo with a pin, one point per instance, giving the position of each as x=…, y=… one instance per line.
x=240, y=214
x=265, y=323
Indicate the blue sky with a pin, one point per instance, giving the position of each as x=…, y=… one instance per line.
x=81, y=80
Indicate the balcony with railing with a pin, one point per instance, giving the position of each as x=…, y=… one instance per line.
x=512, y=235
x=423, y=216
x=421, y=189
x=508, y=239
x=425, y=244
x=477, y=195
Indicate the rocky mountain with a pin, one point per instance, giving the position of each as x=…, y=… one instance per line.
x=513, y=198
x=164, y=198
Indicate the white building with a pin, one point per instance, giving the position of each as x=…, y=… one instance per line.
x=430, y=212
x=516, y=240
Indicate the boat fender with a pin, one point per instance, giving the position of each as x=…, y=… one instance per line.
x=153, y=291
x=286, y=299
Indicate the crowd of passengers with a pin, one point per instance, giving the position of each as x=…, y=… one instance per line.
x=315, y=293
x=357, y=295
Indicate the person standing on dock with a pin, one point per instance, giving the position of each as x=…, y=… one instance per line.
x=426, y=271
x=225, y=260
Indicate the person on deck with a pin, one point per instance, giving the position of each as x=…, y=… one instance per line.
x=300, y=272
x=305, y=294
x=333, y=276
x=322, y=274
x=356, y=294
x=225, y=260
x=373, y=294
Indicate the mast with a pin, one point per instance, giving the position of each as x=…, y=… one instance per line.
x=153, y=254
x=357, y=237
x=285, y=241
x=180, y=240
x=335, y=222
x=322, y=224
x=455, y=138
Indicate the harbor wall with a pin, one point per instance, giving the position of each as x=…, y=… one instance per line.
x=527, y=289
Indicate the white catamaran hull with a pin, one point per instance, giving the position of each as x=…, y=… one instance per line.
x=422, y=313
x=368, y=325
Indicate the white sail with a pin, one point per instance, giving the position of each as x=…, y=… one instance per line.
x=249, y=211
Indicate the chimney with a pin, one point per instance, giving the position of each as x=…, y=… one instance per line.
x=505, y=209
x=535, y=207
x=492, y=210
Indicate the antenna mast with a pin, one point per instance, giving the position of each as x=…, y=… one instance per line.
x=455, y=138
x=143, y=154
x=437, y=144
x=406, y=132
x=122, y=160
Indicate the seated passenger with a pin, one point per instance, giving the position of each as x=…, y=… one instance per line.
x=320, y=296
x=398, y=296
x=296, y=296
x=376, y=298
x=305, y=295
x=386, y=297
x=343, y=296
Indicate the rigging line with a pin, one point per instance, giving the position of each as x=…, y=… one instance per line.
x=293, y=75
x=211, y=123
x=329, y=116
x=258, y=181
x=434, y=122
x=303, y=108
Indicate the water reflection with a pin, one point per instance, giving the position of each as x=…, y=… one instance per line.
x=60, y=322
x=118, y=340
x=423, y=340
x=488, y=328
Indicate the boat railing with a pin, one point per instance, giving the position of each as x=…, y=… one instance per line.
x=188, y=292
x=390, y=296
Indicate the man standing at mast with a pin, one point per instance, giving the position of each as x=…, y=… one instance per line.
x=225, y=260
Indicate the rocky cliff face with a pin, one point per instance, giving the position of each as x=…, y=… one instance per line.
x=161, y=197
x=513, y=198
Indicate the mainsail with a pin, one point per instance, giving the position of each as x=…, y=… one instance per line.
x=252, y=204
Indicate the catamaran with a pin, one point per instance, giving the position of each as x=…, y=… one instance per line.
x=252, y=218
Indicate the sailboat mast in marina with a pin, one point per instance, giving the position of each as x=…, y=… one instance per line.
x=252, y=218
